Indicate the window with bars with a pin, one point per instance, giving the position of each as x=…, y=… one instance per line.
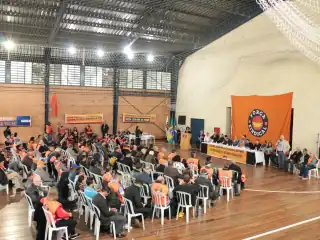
x=38, y=73
x=21, y=72
x=55, y=74
x=93, y=76
x=130, y=78
x=107, y=77
x=2, y=71
x=159, y=80
x=70, y=75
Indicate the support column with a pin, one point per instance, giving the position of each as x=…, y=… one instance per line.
x=144, y=79
x=82, y=75
x=8, y=71
x=47, y=58
x=116, y=93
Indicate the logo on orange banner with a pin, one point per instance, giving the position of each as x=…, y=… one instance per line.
x=238, y=155
x=258, y=123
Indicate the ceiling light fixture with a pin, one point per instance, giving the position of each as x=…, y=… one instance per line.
x=150, y=58
x=100, y=53
x=72, y=50
x=9, y=44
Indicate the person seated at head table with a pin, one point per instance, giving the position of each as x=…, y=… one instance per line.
x=257, y=145
x=242, y=141
x=61, y=217
x=102, y=202
x=215, y=137
x=207, y=138
x=235, y=142
x=248, y=144
x=311, y=164
x=227, y=141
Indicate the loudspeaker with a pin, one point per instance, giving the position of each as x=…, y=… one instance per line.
x=182, y=120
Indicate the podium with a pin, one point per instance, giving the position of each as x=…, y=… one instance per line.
x=185, y=141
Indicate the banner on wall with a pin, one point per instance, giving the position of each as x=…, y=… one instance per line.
x=135, y=118
x=18, y=121
x=83, y=118
x=262, y=117
x=238, y=155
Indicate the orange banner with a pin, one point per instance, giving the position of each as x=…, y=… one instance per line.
x=239, y=155
x=83, y=118
x=262, y=117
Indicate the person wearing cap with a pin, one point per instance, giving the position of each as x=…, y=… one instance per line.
x=151, y=158
x=75, y=170
x=44, y=175
x=101, y=201
x=172, y=172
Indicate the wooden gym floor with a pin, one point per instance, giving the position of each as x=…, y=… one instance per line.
x=281, y=200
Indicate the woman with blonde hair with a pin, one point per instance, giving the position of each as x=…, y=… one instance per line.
x=61, y=217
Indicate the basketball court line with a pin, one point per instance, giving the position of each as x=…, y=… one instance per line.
x=272, y=191
x=283, y=228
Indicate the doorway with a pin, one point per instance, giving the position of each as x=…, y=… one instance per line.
x=196, y=126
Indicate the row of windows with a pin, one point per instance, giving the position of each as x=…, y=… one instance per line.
x=34, y=73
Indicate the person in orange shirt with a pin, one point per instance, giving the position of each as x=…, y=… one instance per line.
x=193, y=161
x=116, y=187
x=159, y=186
x=172, y=154
x=108, y=174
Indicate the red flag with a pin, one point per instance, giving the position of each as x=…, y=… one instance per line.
x=54, y=105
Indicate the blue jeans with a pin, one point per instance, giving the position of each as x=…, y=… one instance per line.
x=281, y=157
x=304, y=171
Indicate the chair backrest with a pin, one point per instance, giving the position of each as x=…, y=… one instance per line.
x=49, y=217
x=179, y=166
x=119, y=165
x=148, y=165
x=83, y=198
x=184, y=198
x=25, y=171
x=144, y=190
x=169, y=181
x=101, y=157
x=96, y=210
x=226, y=181
x=126, y=169
x=157, y=175
x=70, y=161
x=89, y=202
x=160, y=199
x=29, y=200
x=125, y=180
x=193, y=169
x=86, y=171
x=97, y=178
x=128, y=205
x=204, y=191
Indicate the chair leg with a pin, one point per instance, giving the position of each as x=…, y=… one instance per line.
x=114, y=231
x=129, y=222
x=46, y=234
x=178, y=212
x=205, y=206
x=154, y=210
x=66, y=232
x=228, y=191
x=169, y=213
x=91, y=220
x=162, y=216
x=187, y=213
x=142, y=218
x=50, y=235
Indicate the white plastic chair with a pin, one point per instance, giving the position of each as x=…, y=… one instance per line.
x=31, y=209
x=314, y=172
x=97, y=178
x=126, y=180
x=130, y=213
x=148, y=165
x=120, y=168
x=144, y=192
x=97, y=223
x=91, y=210
x=83, y=205
x=126, y=168
x=86, y=171
x=170, y=184
x=155, y=173
x=161, y=203
x=51, y=227
x=185, y=202
x=226, y=183
x=25, y=172
x=204, y=196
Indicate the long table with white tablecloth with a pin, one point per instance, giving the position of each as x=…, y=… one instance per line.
x=241, y=155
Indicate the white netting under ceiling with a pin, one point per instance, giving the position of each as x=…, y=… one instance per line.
x=299, y=21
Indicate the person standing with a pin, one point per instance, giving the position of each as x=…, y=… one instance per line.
x=7, y=132
x=282, y=148
x=104, y=129
x=138, y=133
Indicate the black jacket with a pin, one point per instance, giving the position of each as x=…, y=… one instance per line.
x=34, y=193
x=296, y=156
x=104, y=128
x=133, y=194
x=173, y=173
x=102, y=203
x=236, y=168
x=193, y=189
x=306, y=158
x=203, y=181
x=3, y=178
x=127, y=161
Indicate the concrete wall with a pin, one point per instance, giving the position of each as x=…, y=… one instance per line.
x=21, y=99
x=254, y=59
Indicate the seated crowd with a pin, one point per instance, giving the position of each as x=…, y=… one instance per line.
x=111, y=173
